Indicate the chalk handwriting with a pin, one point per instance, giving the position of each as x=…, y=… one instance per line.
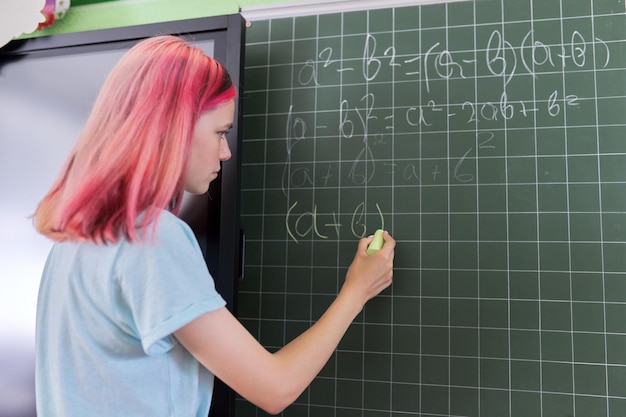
x=370, y=127
x=316, y=224
x=502, y=58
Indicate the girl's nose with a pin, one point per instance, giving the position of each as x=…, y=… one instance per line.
x=225, y=153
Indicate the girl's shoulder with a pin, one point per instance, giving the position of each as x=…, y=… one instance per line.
x=164, y=227
x=172, y=225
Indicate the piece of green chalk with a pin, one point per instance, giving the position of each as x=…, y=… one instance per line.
x=377, y=243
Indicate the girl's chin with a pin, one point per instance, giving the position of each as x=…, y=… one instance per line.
x=202, y=188
x=197, y=190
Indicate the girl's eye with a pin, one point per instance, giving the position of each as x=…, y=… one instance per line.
x=222, y=134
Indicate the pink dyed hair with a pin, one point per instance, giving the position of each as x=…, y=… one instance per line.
x=128, y=163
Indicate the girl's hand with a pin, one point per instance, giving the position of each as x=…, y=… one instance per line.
x=368, y=275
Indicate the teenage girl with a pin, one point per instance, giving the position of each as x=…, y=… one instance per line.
x=128, y=319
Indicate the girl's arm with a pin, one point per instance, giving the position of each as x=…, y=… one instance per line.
x=274, y=381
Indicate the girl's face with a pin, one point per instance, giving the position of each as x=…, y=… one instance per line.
x=209, y=147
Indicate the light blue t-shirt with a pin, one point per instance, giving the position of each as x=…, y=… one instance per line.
x=105, y=318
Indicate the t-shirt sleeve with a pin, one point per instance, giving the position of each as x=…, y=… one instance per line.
x=165, y=284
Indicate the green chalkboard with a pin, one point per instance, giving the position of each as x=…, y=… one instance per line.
x=489, y=137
